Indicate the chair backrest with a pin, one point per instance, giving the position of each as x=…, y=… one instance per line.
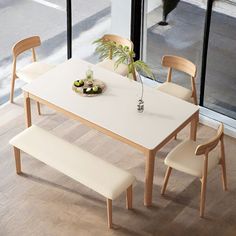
x=26, y=44
x=212, y=143
x=119, y=40
x=179, y=63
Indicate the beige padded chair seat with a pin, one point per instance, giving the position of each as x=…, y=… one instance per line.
x=104, y=178
x=176, y=90
x=183, y=158
x=108, y=64
x=33, y=70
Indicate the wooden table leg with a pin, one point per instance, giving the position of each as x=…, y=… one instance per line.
x=149, y=173
x=193, y=129
x=27, y=110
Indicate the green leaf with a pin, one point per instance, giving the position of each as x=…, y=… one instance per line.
x=121, y=55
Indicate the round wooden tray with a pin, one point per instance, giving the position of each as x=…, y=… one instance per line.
x=96, y=82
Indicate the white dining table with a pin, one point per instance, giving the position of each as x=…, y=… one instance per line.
x=114, y=112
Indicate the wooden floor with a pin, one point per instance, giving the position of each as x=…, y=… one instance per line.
x=44, y=202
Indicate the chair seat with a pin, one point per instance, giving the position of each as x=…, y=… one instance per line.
x=176, y=90
x=33, y=70
x=108, y=64
x=183, y=158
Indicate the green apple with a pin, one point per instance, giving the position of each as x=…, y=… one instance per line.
x=95, y=88
x=77, y=83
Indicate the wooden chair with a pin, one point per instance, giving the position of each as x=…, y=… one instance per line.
x=31, y=71
x=109, y=64
x=183, y=65
x=197, y=160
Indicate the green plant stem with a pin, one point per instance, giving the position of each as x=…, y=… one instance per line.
x=132, y=68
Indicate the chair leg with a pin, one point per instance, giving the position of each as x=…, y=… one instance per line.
x=38, y=108
x=109, y=213
x=12, y=89
x=167, y=175
x=223, y=165
x=203, y=196
x=195, y=98
x=129, y=197
x=224, y=178
x=17, y=160
x=176, y=136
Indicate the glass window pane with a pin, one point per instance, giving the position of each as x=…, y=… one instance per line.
x=91, y=20
x=182, y=37
x=47, y=18
x=220, y=91
x=20, y=19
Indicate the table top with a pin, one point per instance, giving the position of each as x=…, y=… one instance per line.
x=116, y=109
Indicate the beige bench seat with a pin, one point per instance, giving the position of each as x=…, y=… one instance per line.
x=104, y=178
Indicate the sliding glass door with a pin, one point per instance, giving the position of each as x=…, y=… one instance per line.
x=90, y=19
x=48, y=19
x=21, y=19
x=220, y=86
x=183, y=36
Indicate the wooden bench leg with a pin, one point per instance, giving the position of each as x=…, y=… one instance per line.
x=129, y=197
x=17, y=160
x=109, y=213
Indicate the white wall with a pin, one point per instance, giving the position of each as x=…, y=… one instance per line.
x=121, y=17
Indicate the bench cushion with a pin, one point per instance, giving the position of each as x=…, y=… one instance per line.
x=104, y=178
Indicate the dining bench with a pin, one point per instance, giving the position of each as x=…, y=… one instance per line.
x=82, y=166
